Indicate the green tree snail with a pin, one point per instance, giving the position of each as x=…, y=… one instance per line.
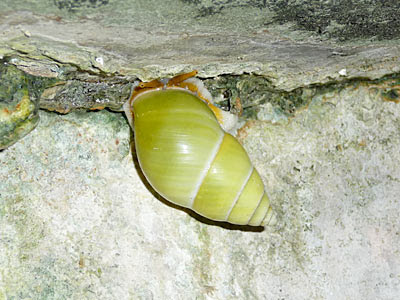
x=188, y=158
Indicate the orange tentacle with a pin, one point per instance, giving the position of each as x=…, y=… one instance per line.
x=145, y=86
x=151, y=84
x=179, y=78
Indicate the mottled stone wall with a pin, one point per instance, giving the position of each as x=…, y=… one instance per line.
x=317, y=89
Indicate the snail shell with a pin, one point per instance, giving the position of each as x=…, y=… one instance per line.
x=189, y=159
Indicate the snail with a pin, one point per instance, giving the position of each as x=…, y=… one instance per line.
x=187, y=155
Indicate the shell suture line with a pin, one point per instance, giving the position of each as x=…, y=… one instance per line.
x=259, y=202
x=239, y=193
x=206, y=168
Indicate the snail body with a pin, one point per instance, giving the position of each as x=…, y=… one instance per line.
x=189, y=159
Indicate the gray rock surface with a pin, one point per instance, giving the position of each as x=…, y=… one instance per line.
x=19, y=104
x=320, y=82
x=77, y=222
x=141, y=39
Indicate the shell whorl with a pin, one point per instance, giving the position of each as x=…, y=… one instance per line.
x=192, y=162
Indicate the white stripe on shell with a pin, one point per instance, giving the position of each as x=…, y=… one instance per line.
x=259, y=202
x=207, y=167
x=239, y=193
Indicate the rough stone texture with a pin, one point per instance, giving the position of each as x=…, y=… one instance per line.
x=95, y=49
x=77, y=222
x=66, y=96
x=19, y=104
x=342, y=19
x=76, y=219
x=18, y=115
x=142, y=39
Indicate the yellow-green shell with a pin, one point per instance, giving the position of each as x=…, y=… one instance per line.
x=189, y=160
